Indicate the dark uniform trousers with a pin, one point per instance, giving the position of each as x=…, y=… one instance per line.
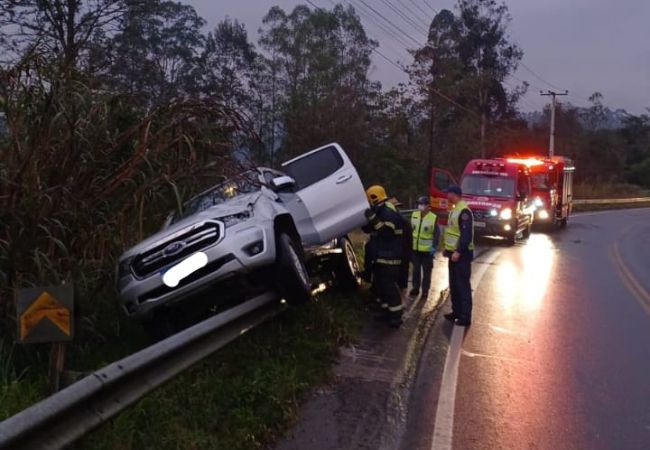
x=422, y=267
x=386, y=280
x=460, y=287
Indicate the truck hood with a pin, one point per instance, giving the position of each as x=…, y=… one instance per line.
x=236, y=205
x=481, y=203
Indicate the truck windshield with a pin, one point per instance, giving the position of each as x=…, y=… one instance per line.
x=488, y=186
x=541, y=181
x=246, y=183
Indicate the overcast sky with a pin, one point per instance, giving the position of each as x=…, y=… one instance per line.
x=579, y=45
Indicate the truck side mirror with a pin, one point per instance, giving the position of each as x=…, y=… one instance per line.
x=283, y=182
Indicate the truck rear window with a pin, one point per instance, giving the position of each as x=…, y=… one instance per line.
x=312, y=168
x=488, y=186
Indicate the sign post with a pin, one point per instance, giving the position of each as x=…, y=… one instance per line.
x=45, y=316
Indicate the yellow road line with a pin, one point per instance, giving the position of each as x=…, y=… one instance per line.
x=642, y=296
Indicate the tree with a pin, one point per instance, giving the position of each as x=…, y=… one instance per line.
x=322, y=60
x=226, y=64
x=61, y=28
x=155, y=52
x=488, y=57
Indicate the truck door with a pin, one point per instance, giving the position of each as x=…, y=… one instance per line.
x=441, y=179
x=328, y=187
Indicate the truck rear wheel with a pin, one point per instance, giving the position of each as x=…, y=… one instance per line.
x=292, y=278
x=347, y=271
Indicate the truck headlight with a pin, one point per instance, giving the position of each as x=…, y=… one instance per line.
x=234, y=219
x=538, y=202
x=543, y=214
x=494, y=213
x=506, y=214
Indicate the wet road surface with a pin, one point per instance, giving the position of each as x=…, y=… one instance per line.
x=558, y=354
x=557, y=357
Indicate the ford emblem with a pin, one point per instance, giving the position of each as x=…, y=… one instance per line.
x=174, y=248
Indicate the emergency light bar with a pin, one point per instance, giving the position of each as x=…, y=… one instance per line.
x=530, y=162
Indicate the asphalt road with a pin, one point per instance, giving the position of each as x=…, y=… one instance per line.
x=557, y=357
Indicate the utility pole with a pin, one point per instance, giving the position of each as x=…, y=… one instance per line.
x=552, y=94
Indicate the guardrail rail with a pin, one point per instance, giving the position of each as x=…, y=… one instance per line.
x=611, y=201
x=61, y=419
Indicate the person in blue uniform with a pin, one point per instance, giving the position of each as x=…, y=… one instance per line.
x=459, y=248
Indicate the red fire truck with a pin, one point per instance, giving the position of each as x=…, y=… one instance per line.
x=498, y=191
x=552, y=184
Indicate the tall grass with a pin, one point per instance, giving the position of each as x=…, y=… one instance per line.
x=85, y=172
x=590, y=189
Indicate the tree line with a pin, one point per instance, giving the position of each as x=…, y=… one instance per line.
x=112, y=112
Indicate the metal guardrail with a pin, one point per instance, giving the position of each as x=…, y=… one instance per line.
x=611, y=201
x=61, y=419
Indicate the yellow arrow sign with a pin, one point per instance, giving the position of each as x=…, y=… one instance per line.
x=45, y=306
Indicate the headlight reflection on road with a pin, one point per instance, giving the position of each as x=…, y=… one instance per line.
x=523, y=282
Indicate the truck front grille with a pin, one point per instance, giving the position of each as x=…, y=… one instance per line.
x=176, y=249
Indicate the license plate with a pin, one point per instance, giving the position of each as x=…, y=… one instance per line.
x=479, y=224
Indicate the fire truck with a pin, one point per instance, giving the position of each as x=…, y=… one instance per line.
x=552, y=185
x=498, y=191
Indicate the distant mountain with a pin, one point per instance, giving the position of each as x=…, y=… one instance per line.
x=613, y=118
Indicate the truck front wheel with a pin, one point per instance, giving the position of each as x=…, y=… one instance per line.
x=292, y=278
x=347, y=269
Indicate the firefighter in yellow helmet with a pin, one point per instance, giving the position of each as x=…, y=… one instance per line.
x=385, y=252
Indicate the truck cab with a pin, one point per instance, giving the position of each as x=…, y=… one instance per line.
x=498, y=191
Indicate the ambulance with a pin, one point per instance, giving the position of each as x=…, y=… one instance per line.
x=498, y=191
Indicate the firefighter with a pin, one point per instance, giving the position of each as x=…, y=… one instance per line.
x=386, y=230
x=403, y=282
x=459, y=248
x=426, y=235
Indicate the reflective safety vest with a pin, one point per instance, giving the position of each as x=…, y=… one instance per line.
x=423, y=231
x=452, y=232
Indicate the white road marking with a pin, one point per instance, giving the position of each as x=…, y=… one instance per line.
x=500, y=358
x=444, y=425
x=507, y=331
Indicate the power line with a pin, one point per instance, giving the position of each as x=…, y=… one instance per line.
x=422, y=11
x=431, y=7
x=391, y=23
x=369, y=17
x=378, y=24
x=410, y=11
x=532, y=72
x=404, y=17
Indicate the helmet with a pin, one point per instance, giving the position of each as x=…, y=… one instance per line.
x=376, y=194
x=423, y=200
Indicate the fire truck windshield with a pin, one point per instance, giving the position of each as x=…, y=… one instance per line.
x=541, y=181
x=488, y=186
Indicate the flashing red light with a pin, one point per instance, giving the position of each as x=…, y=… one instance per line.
x=530, y=162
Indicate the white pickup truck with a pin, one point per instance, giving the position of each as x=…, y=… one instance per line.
x=264, y=228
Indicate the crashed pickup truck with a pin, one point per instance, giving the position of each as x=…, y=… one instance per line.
x=264, y=228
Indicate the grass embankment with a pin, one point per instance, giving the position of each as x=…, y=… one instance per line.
x=589, y=191
x=608, y=190
x=243, y=397
x=246, y=395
